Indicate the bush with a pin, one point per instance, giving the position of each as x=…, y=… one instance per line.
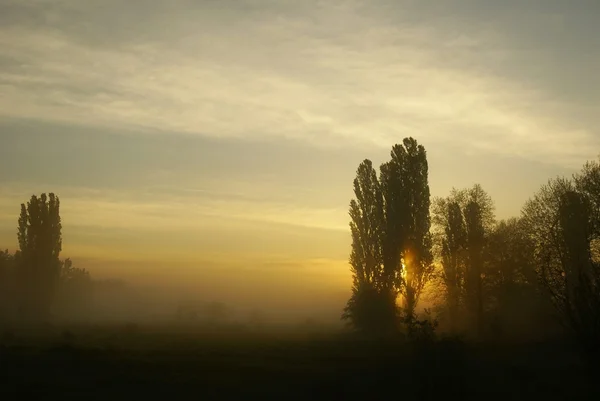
x=421, y=331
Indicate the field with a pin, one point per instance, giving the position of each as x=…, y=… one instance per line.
x=160, y=362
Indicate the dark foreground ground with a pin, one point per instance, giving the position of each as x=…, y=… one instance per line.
x=133, y=363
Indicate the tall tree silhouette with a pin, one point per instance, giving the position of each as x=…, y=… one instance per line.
x=462, y=221
x=562, y=223
x=510, y=254
x=587, y=182
x=407, y=240
x=372, y=306
x=473, y=276
x=512, y=286
x=581, y=272
x=453, y=248
x=541, y=217
x=391, y=242
x=40, y=243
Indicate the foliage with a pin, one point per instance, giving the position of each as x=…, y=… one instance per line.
x=422, y=331
x=562, y=224
x=366, y=214
x=391, y=242
x=514, y=300
x=373, y=286
x=371, y=311
x=34, y=281
x=407, y=245
x=462, y=223
x=40, y=243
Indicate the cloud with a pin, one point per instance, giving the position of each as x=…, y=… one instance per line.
x=330, y=73
x=186, y=228
x=167, y=210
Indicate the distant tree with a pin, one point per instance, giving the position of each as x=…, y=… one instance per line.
x=372, y=306
x=474, y=273
x=514, y=297
x=453, y=248
x=6, y=265
x=187, y=312
x=510, y=254
x=257, y=319
x=75, y=291
x=216, y=313
x=40, y=243
x=581, y=297
x=7, y=288
x=407, y=241
x=479, y=221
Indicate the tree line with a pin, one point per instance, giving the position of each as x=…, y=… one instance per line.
x=488, y=277
x=36, y=285
x=540, y=266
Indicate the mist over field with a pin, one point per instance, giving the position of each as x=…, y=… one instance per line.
x=300, y=200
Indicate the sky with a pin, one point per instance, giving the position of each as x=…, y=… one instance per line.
x=212, y=144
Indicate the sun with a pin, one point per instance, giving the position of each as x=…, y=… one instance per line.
x=405, y=263
x=406, y=260
x=400, y=299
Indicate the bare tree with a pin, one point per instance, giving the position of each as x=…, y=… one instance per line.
x=562, y=223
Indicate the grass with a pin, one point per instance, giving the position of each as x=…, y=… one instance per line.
x=176, y=362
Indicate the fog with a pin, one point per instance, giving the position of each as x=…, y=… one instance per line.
x=240, y=301
x=134, y=291
x=267, y=199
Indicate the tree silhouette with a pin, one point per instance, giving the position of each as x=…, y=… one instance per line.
x=473, y=276
x=372, y=306
x=391, y=242
x=216, y=313
x=462, y=222
x=581, y=298
x=75, y=291
x=40, y=242
x=7, y=290
x=453, y=256
x=511, y=283
x=407, y=243
x=587, y=182
x=541, y=216
x=510, y=254
x=562, y=223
